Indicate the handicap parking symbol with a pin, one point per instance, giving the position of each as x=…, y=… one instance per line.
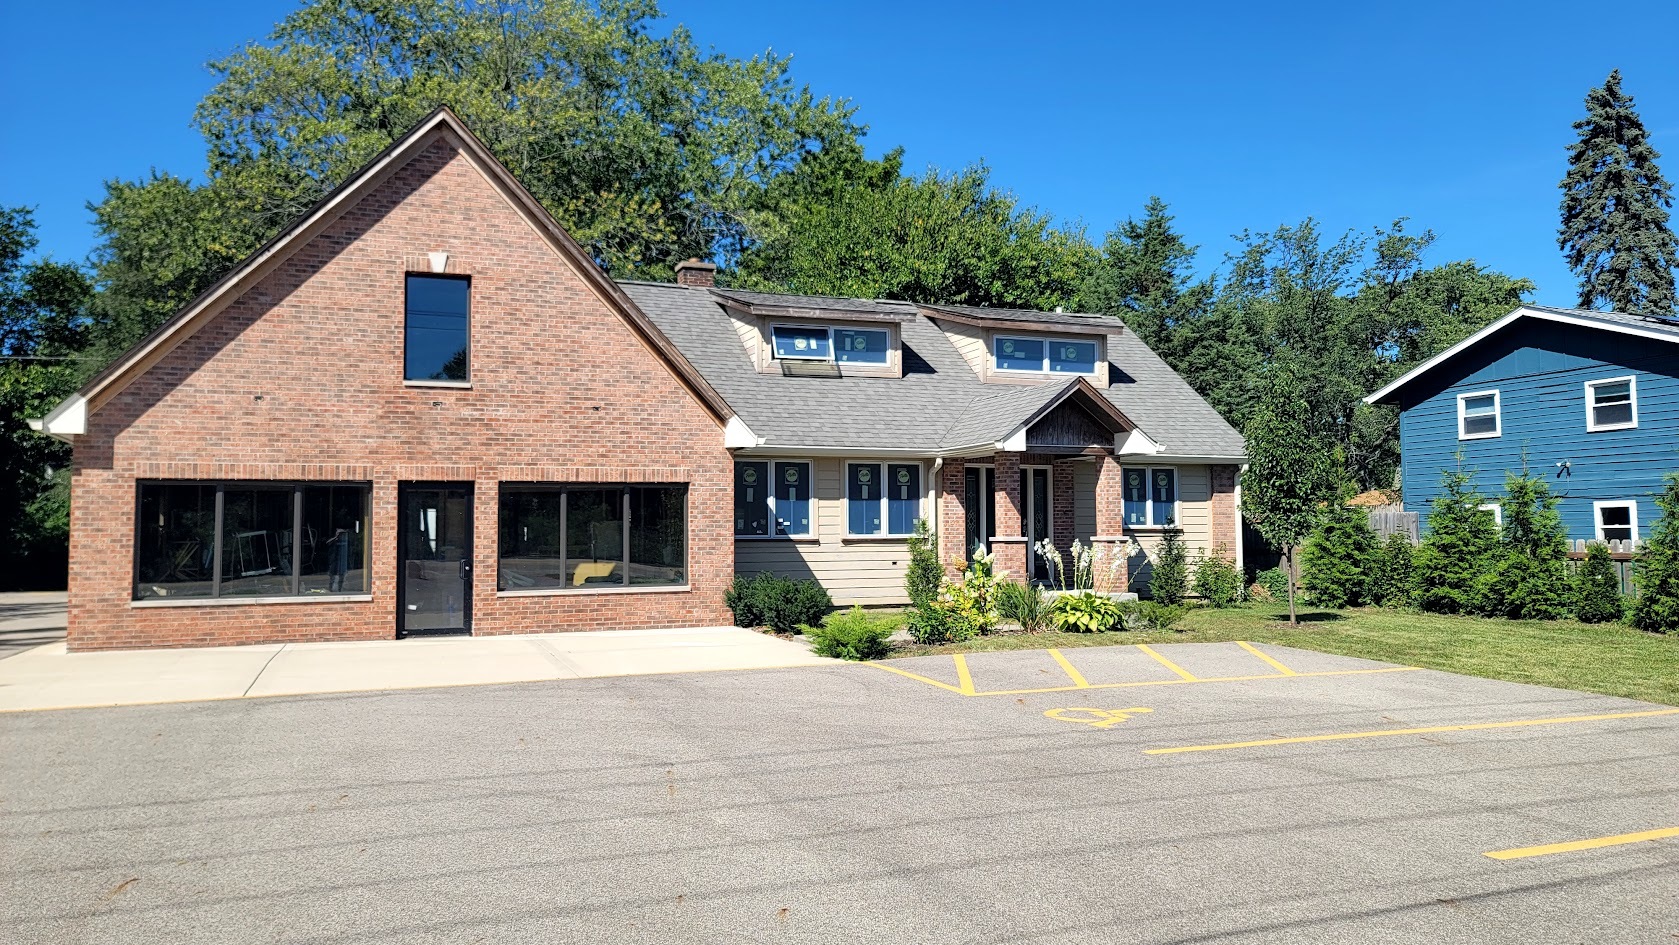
x=1095, y=718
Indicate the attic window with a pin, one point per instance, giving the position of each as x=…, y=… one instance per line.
x=834, y=345
x=1043, y=355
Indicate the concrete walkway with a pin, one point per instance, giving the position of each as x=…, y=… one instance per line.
x=29, y=619
x=47, y=677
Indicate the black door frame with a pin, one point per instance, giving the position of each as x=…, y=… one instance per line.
x=403, y=489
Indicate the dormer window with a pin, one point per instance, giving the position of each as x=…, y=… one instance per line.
x=1043, y=355
x=838, y=345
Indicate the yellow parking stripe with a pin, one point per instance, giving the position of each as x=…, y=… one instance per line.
x=1409, y=731
x=1573, y=845
x=1195, y=682
x=917, y=677
x=1255, y=651
x=1079, y=682
x=963, y=676
x=1167, y=663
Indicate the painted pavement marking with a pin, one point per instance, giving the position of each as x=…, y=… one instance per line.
x=1095, y=718
x=1593, y=844
x=1430, y=730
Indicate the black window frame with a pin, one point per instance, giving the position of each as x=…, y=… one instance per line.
x=626, y=542
x=407, y=283
x=221, y=486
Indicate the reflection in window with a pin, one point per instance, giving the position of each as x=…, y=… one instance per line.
x=594, y=536
x=256, y=542
x=658, y=535
x=555, y=536
x=792, y=499
x=438, y=336
x=752, y=498
x=802, y=343
x=532, y=554
x=1019, y=354
x=862, y=498
x=903, y=497
x=860, y=346
x=1072, y=357
x=176, y=551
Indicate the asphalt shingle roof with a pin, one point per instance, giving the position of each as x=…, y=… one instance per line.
x=939, y=403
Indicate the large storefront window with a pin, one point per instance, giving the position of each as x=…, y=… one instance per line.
x=592, y=536
x=250, y=539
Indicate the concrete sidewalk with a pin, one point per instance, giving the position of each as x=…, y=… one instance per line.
x=47, y=677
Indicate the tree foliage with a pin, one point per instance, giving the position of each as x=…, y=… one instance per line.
x=1291, y=471
x=1336, y=561
x=1597, y=588
x=1169, y=577
x=1656, y=569
x=1144, y=276
x=1529, y=577
x=1449, y=568
x=42, y=327
x=1391, y=573
x=1615, y=230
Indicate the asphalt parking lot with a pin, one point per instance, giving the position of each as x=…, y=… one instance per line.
x=1192, y=793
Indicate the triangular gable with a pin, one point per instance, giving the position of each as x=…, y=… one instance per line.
x=69, y=418
x=1078, y=417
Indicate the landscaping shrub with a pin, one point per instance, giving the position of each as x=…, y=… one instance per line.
x=962, y=609
x=780, y=603
x=1273, y=582
x=854, y=634
x=1024, y=604
x=1143, y=616
x=1216, y=579
x=922, y=579
x=1335, y=562
x=1597, y=588
x=1085, y=613
x=1449, y=568
x=1656, y=568
x=1390, y=573
x=1528, y=578
x=1170, y=578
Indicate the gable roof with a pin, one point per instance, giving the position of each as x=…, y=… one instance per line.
x=939, y=405
x=69, y=418
x=1652, y=327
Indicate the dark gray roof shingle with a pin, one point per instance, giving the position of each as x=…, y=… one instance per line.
x=939, y=403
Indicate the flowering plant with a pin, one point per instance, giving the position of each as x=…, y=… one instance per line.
x=1095, y=568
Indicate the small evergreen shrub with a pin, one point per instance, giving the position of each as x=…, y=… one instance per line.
x=1274, y=582
x=1656, y=569
x=1528, y=578
x=1450, y=568
x=1147, y=615
x=854, y=634
x=1597, y=588
x=1170, y=579
x=1390, y=573
x=1217, y=581
x=1085, y=613
x=780, y=603
x=1335, y=562
x=922, y=579
x=1024, y=604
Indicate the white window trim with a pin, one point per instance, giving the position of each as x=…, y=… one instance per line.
x=1148, y=500
x=810, y=471
x=1497, y=415
x=1497, y=511
x=1047, y=341
x=833, y=352
x=885, y=511
x=1597, y=516
x=1632, y=390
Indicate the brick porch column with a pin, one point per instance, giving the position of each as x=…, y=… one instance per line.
x=1225, y=530
x=953, y=514
x=1110, y=513
x=1063, y=507
x=1008, y=542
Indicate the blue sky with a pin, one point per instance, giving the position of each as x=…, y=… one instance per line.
x=1240, y=115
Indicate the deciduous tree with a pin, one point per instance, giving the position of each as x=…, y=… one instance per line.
x=1291, y=470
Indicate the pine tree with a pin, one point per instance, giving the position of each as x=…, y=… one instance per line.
x=1597, y=589
x=1390, y=575
x=1335, y=564
x=1530, y=578
x=1615, y=230
x=1448, y=569
x=1656, y=569
x=1169, y=578
x=1291, y=470
x=1144, y=277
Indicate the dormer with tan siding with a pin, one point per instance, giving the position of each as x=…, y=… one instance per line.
x=1009, y=346
x=797, y=336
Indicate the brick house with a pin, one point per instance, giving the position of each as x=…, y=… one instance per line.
x=422, y=408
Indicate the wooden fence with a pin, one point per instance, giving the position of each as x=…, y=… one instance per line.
x=1388, y=520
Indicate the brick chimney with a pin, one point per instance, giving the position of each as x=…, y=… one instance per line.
x=696, y=273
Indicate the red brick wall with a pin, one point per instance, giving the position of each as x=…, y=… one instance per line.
x=953, y=521
x=1009, y=544
x=562, y=390
x=1223, y=527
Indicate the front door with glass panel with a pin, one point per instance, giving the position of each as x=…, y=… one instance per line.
x=980, y=501
x=434, y=559
x=1036, y=481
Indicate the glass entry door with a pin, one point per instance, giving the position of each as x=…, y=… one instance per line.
x=434, y=559
x=1037, y=521
x=980, y=500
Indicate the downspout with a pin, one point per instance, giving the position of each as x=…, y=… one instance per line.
x=1240, y=569
x=938, y=464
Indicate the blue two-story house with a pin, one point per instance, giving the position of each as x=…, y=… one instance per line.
x=1590, y=398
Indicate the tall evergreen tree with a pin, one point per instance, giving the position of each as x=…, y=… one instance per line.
x=1530, y=580
x=1144, y=278
x=1656, y=569
x=1614, y=209
x=1449, y=568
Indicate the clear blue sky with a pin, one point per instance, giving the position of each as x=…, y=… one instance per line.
x=1240, y=115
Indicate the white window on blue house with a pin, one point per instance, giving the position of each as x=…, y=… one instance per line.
x=1616, y=521
x=1043, y=355
x=882, y=499
x=1477, y=415
x=772, y=500
x=1151, y=497
x=1496, y=510
x=1612, y=404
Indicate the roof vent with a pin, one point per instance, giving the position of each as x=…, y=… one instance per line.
x=692, y=272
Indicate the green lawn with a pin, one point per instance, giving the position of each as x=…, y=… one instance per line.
x=1609, y=659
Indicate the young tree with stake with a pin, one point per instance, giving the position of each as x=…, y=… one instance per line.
x=1291, y=471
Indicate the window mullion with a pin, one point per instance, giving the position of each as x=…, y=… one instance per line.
x=216, y=549
x=624, y=505
x=565, y=549
x=297, y=540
